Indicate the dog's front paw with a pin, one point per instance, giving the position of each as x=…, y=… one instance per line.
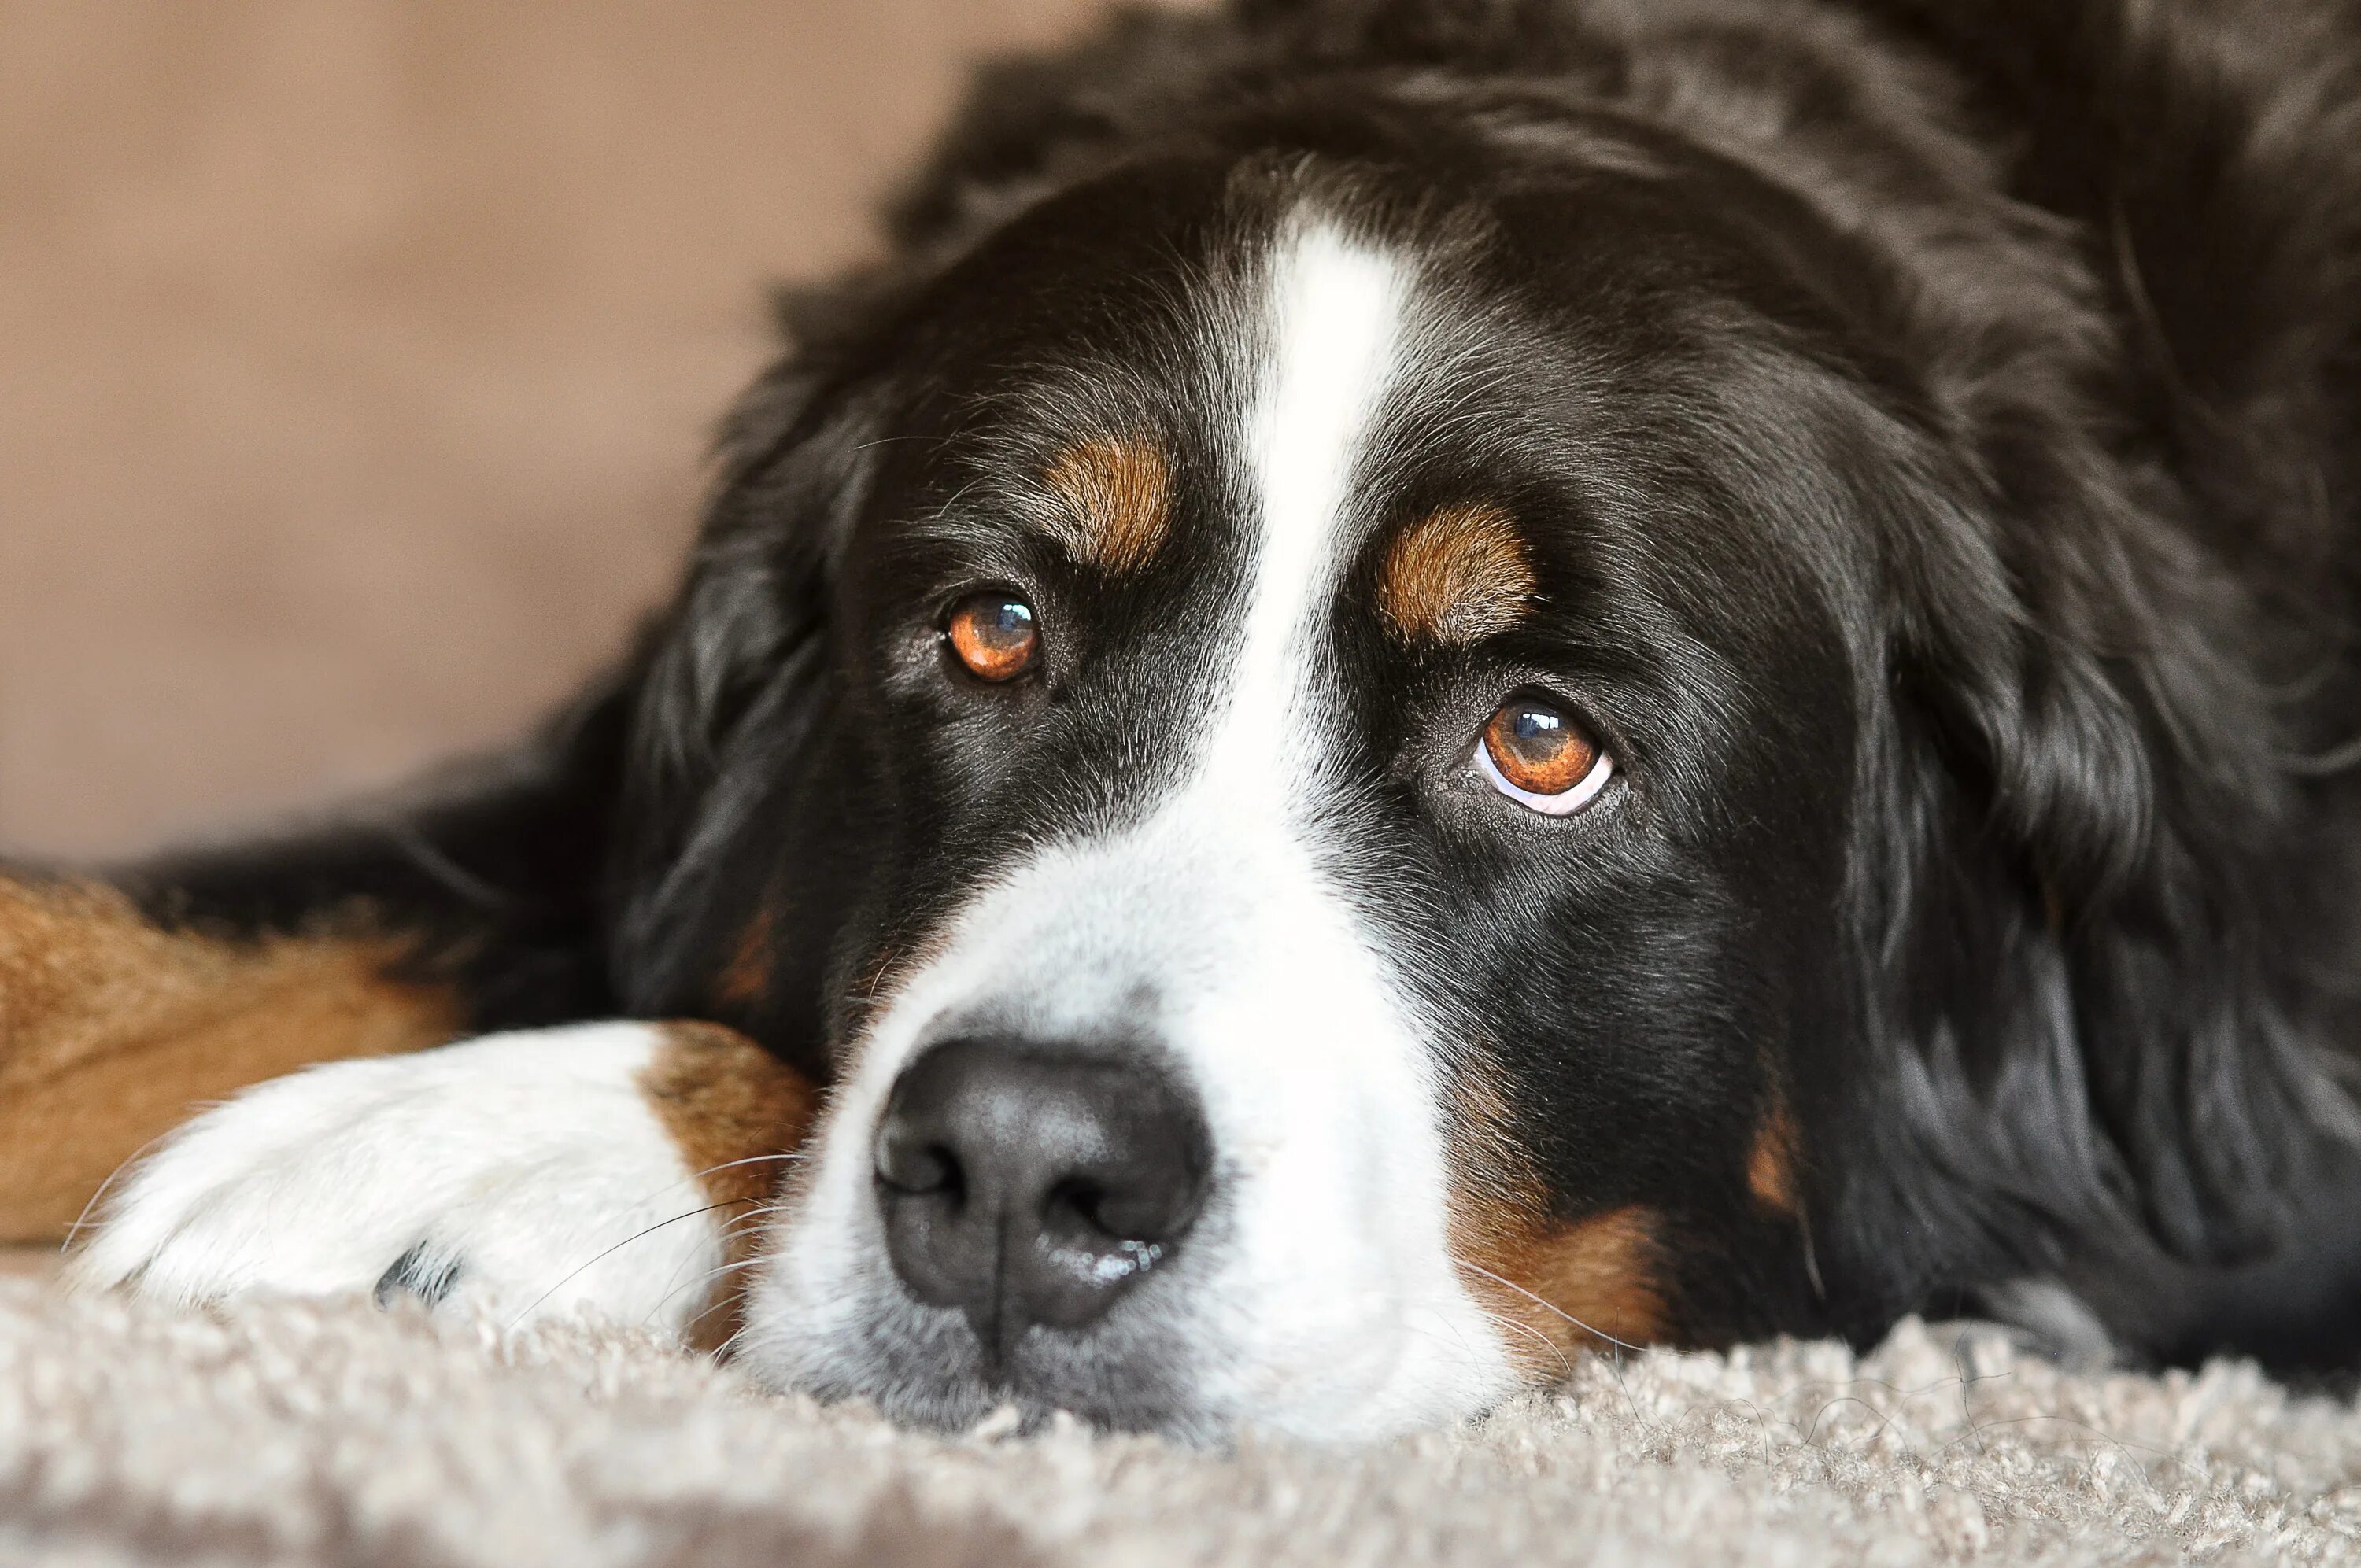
x=520, y=1175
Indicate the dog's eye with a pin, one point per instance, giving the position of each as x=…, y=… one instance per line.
x=993, y=635
x=1540, y=757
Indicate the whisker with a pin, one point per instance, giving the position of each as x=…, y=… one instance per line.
x=720, y=1301
x=729, y=1345
x=627, y=1241
x=1549, y=1306
x=752, y=1213
x=1614, y=1362
x=890, y=440
x=692, y=1178
x=731, y=1229
x=735, y=1228
x=707, y=1278
x=1564, y=1362
x=142, y=1152
x=750, y=1159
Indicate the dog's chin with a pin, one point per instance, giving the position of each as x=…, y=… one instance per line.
x=925, y=1367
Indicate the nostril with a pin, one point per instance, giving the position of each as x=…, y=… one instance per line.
x=1107, y=1240
x=915, y=1169
x=1072, y=1213
x=1151, y=1209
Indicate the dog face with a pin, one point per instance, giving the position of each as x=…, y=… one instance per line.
x=1327, y=793
x=1315, y=758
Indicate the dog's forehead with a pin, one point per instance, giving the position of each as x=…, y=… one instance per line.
x=1276, y=406
x=1419, y=364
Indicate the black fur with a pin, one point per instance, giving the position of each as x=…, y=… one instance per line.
x=1940, y=422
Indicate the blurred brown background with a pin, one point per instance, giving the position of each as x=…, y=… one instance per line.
x=356, y=357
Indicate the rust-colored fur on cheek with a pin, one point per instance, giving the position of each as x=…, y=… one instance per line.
x=114, y=1031
x=735, y=1111
x=1458, y=576
x=1564, y=1285
x=1580, y=1284
x=1770, y=1164
x=745, y=981
x=1117, y=502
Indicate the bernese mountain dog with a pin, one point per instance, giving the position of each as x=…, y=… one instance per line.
x=1426, y=685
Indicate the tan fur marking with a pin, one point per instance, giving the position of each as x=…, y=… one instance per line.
x=1458, y=576
x=1602, y=1270
x=113, y=1032
x=1118, y=496
x=729, y=1104
x=1771, y=1163
x=746, y=980
x=1560, y=1288
x=725, y=1098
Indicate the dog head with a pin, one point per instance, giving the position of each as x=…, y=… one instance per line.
x=1373, y=747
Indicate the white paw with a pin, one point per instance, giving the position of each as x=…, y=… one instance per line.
x=520, y=1175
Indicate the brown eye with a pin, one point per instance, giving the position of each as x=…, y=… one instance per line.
x=1540, y=757
x=993, y=635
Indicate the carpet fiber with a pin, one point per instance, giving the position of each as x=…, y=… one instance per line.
x=301, y=1432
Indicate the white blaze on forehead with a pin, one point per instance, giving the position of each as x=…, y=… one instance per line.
x=1323, y=1298
x=1334, y=316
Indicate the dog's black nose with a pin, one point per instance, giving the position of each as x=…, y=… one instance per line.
x=1026, y=1183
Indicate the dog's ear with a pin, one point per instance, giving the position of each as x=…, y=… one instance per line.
x=735, y=669
x=2086, y=925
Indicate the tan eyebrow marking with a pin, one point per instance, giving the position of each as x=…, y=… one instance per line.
x=1457, y=575
x=1118, y=500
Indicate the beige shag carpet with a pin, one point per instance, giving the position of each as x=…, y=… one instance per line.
x=293, y=1432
